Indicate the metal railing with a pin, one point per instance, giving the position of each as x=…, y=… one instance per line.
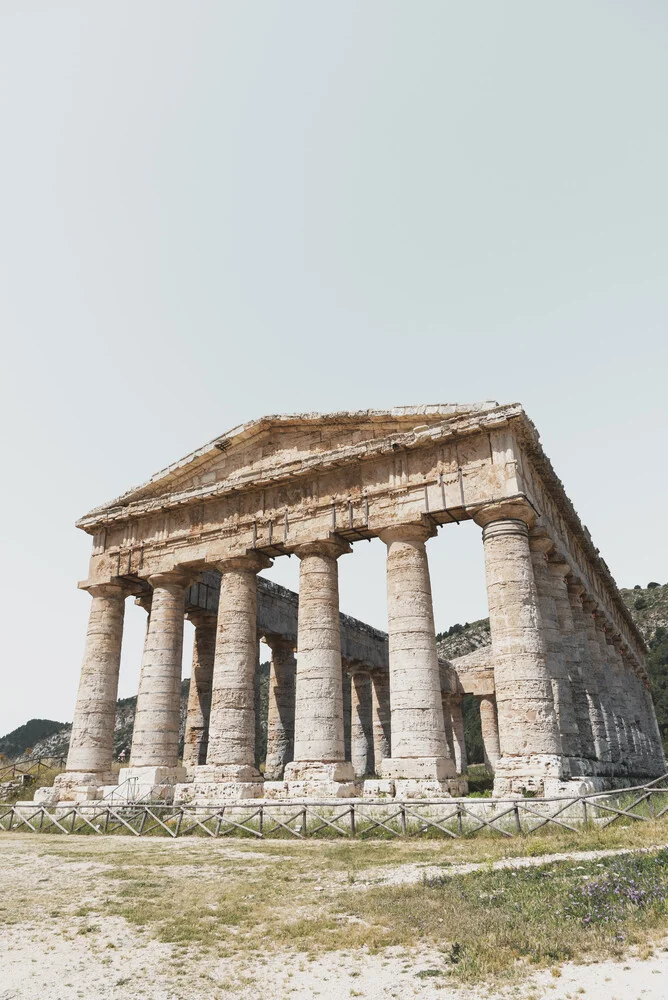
x=359, y=818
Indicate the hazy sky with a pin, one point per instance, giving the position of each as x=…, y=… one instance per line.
x=210, y=211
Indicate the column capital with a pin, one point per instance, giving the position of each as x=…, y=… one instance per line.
x=517, y=509
x=330, y=547
x=505, y=527
x=589, y=605
x=279, y=642
x=115, y=588
x=251, y=562
x=540, y=541
x=558, y=565
x=144, y=601
x=199, y=616
x=599, y=620
x=414, y=531
x=172, y=578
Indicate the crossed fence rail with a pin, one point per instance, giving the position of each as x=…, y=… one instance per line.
x=452, y=818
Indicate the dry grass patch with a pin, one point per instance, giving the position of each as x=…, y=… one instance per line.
x=241, y=899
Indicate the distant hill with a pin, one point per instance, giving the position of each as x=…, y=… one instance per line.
x=25, y=737
x=649, y=607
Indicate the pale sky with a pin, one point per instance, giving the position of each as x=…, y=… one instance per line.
x=210, y=211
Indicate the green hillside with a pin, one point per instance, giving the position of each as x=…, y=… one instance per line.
x=25, y=737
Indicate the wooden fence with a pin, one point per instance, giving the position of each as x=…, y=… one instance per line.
x=360, y=818
x=29, y=765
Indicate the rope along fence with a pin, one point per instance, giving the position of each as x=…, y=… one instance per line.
x=358, y=818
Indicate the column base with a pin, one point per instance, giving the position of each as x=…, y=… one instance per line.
x=73, y=786
x=415, y=788
x=145, y=784
x=214, y=783
x=418, y=768
x=314, y=779
x=517, y=776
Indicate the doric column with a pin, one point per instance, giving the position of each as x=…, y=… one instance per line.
x=589, y=673
x=490, y=730
x=582, y=744
x=346, y=693
x=610, y=754
x=447, y=722
x=155, y=739
x=92, y=741
x=633, y=713
x=419, y=749
x=380, y=708
x=457, y=719
x=528, y=731
x=629, y=709
x=196, y=739
x=319, y=741
x=230, y=762
x=361, y=725
x=609, y=671
x=281, y=713
x=556, y=641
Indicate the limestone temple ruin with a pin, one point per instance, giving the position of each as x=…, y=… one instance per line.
x=563, y=690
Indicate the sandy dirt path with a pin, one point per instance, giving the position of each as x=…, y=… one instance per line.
x=57, y=943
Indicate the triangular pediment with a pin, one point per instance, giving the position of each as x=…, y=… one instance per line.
x=276, y=446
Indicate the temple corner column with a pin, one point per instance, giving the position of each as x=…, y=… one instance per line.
x=531, y=753
x=91, y=749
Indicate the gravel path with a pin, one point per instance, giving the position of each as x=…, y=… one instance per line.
x=408, y=873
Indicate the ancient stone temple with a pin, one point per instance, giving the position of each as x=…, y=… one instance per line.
x=563, y=690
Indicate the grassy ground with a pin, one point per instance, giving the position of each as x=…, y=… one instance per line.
x=239, y=899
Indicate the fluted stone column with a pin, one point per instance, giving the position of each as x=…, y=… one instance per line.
x=531, y=750
x=608, y=667
x=346, y=694
x=361, y=725
x=447, y=722
x=656, y=752
x=281, y=713
x=92, y=741
x=583, y=753
x=154, y=756
x=196, y=739
x=490, y=730
x=628, y=705
x=590, y=676
x=457, y=719
x=319, y=765
x=230, y=769
x=605, y=700
x=556, y=642
x=380, y=708
x=419, y=750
